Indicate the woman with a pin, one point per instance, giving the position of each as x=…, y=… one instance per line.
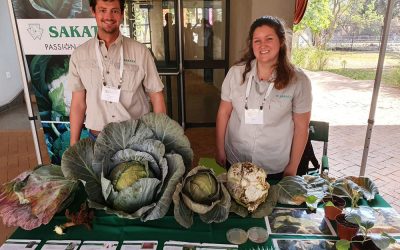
x=265, y=105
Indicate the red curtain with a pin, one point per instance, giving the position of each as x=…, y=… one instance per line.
x=300, y=9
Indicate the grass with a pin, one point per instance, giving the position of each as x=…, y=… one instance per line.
x=360, y=60
x=356, y=65
x=389, y=76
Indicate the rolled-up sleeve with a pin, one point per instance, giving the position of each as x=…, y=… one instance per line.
x=302, y=99
x=226, y=89
x=74, y=80
x=151, y=82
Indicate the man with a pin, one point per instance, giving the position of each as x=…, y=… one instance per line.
x=111, y=77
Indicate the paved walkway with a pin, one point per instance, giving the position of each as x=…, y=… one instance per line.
x=345, y=104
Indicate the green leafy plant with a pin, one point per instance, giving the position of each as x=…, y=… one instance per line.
x=364, y=218
x=355, y=188
x=133, y=167
x=201, y=192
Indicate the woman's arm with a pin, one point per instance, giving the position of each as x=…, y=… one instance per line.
x=300, y=136
x=224, y=112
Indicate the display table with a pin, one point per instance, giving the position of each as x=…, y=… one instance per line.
x=112, y=228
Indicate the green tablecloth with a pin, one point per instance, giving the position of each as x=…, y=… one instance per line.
x=111, y=227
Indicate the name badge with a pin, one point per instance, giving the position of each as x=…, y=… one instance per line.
x=110, y=94
x=253, y=116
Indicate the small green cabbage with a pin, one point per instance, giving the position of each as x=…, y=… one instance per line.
x=200, y=192
x=246, y=182
x=201, y=187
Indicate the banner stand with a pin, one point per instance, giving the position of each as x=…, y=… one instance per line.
x=27, y=97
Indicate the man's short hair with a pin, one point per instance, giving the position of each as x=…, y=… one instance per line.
x=93, y=3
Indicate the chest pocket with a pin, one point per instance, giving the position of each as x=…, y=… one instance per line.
x=276, y=109
x=132, y=78
x=90, y=74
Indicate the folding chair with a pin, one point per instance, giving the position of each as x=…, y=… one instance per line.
x=319, y=131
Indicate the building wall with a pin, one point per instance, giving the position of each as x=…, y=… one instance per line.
x=243, y=13
x=10, y=76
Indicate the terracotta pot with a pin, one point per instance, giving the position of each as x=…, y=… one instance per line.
x=368, y=244
x=332, y=211
x=345, y=230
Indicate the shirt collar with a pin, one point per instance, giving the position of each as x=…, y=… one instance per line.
x=117, y=41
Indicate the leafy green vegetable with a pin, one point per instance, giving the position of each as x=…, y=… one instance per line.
x=33, y=198
x=130, y=141
x=200, y=192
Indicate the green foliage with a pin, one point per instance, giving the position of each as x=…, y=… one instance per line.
x=394, y=76
x=317, y=17
x=364, y=218
x=311, y=58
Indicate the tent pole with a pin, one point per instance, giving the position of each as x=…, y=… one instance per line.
x=25, y=83
x=378, y=78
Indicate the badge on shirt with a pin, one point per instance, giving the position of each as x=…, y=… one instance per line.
x=253, y=116
x=110, y=94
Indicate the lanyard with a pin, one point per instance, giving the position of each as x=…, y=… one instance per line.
x=121, y=64
x=249, y=82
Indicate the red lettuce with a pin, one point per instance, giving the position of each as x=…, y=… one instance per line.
x=33, y=198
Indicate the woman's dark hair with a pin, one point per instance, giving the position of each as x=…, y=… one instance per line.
x=284, y=68
x=93, y=3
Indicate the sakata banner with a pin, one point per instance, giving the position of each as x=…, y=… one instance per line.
x=49, y=31
x=54, y=37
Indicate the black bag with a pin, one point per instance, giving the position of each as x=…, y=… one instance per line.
x=308, y=155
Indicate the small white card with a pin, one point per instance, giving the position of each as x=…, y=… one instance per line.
x=110, y=94
x=93, y=245
x=253, y=116
x=139, y=245
x=61, y=244
x=180, y=245
x=19, y=244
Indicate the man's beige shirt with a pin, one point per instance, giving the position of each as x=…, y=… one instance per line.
x=139, y=76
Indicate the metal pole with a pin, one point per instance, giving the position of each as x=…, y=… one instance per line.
x=378, y=77
x=25, y=83
x=181, y=80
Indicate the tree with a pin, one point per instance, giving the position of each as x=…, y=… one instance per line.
x=316, y=19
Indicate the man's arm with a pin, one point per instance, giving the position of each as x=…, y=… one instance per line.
x=77, y=114
x=157, y=101
x=299, y=141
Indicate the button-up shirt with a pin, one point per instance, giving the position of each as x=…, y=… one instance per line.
x=139, y=76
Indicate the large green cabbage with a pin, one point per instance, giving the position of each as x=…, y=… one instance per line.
x=154, y=141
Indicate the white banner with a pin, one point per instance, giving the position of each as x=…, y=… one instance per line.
x=54, y=36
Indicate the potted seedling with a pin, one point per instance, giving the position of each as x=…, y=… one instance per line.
x=346, y=229
x=333, y=204
x=364, y=218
